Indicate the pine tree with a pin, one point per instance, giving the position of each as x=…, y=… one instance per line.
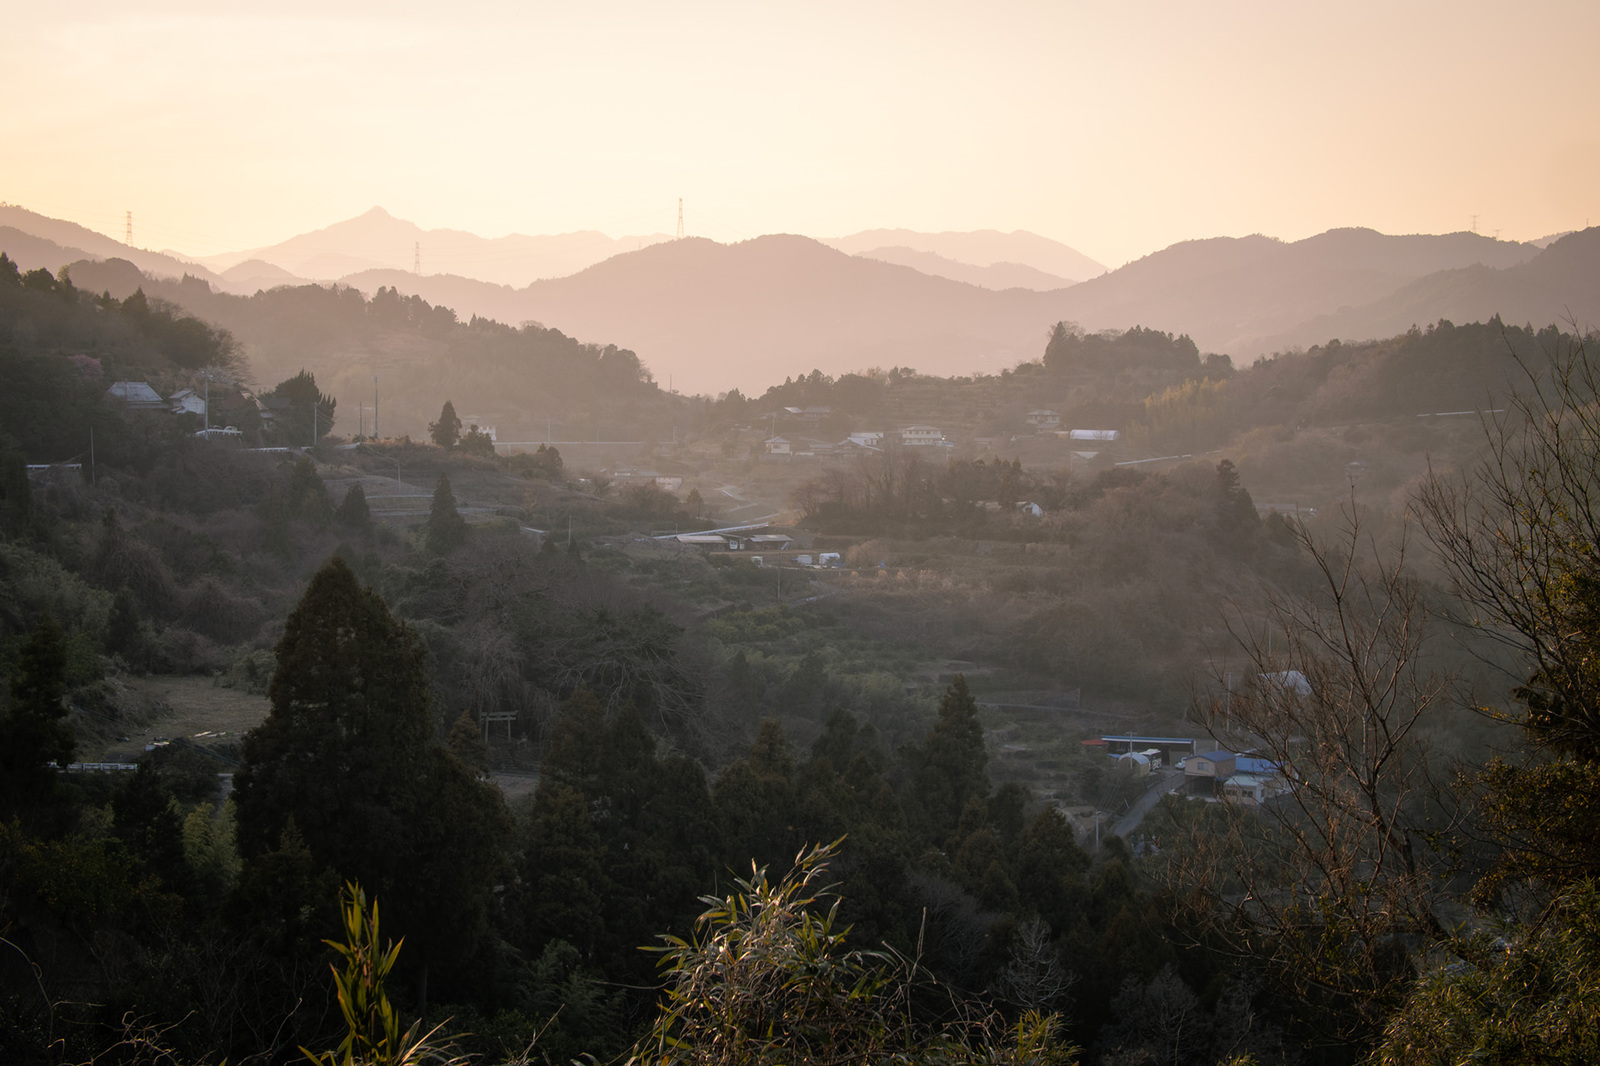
x=348, y=756
x=1236, y=511
x=349, y=722
x=951, y=766
x=33, y=734
x=310, y=409
x=447, y=431
x=353, y=511
x=306, y=496
x=447, y=530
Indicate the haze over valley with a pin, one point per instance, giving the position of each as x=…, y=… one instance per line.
x=1021, y=534
x=709, y=317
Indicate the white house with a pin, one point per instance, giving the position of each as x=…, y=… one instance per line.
x=1095, y=434
x=1042, y=419
x=867, y=438
x=187, y=402
x=777, y=446
x=921, y=436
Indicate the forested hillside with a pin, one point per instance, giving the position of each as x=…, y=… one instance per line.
x=526, y=381
x=541, y=739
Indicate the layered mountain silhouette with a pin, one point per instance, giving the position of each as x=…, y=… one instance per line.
x=1244, y=295
x=708, y=317
x=981, y=248
x=378, y=241
x=35, y=240
x=993, y=276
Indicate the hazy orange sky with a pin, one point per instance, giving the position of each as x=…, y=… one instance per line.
x=1117, y=128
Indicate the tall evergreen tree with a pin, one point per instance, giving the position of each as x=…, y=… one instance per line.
x=311, y=410
x=446, y=528
x=348, y=754
x=1235, y=510
x=306, y=496
x=347, y=729
x=33, y=733
x=951, y=767
x=353, y=511
x=447, y=431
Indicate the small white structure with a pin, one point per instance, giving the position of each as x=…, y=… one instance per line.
x=1246, y=789
x=829, y=559
x=1095, y=434
x=1042, y=419
x=921, y=436
x=1031, y=509
x=867, y=438
x=1287, y=681
x=1135, y=761
x=777, y=446
x=482, y=424
x=187, y=402
x=704, y=541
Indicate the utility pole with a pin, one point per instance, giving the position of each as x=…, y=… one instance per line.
x=416, y=259
x=680, y=218
x=374, y=407
x=127, y=231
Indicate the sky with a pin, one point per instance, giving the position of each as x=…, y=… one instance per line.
x=1115, y=127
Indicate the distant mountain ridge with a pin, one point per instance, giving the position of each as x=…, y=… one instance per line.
x=75, y=238
x=706, y=316
x=998, y=275
x=710, y=316
x=1241, y=295
x=377, y=240
x=984, y=247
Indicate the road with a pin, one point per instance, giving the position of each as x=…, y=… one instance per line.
x=1162, y=782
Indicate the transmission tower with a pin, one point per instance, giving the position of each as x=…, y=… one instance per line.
x=416, y=259
x=680, y=218
x=127, y=231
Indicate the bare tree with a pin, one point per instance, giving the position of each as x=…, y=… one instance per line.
x=1338, y=880
x=1034, y=977
x=1519, y=536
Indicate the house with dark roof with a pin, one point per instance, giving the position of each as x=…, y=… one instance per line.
x=137, y=395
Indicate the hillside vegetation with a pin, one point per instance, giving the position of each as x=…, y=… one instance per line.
x=424, y=617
